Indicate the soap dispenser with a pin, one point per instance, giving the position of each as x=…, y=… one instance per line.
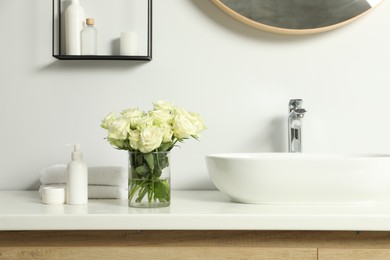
x=77, y=179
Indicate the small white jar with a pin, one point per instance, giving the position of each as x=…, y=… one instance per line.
x=53, y=195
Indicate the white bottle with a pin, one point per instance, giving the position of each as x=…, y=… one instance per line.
x=77, y=179
x=89, y=38
x=74, y=23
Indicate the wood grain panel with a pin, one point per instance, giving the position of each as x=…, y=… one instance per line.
x=157, y=253
x=355, y=254
x=194, y=244
x=285, y=239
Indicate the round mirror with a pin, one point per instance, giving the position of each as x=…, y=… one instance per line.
x=296, y=16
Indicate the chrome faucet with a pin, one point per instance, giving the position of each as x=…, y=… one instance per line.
x=296, y=113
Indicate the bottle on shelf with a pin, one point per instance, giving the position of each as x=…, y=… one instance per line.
x=74, y=23
x=89, y=38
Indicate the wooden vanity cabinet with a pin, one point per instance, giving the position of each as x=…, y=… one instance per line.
x=156, y=244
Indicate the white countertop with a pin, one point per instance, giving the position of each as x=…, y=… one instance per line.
x=189, y=210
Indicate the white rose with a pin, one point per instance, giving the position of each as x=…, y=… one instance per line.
x=118, y=129
x=150, y=139
x=167, y=130
x=183, y=127
x=132, y=112
x=145, y=122
x=163, y=105
x=107, y=121
x=198, y=122
x=182, y=112
x=161, y=117
x=134, y=138
x=133, y=115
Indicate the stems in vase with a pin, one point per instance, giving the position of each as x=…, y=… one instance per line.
x=149, y=179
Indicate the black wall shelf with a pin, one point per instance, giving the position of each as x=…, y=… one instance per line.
x=57, y=48
x=101, y=57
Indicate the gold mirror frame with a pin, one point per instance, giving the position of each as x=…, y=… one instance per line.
x=280, y=30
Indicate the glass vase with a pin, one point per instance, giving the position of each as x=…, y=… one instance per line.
x=149, y=179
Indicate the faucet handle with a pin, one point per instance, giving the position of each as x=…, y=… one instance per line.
x=299, y=112
x=295, y=104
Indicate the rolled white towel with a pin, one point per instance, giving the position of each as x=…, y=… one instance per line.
x=103, y=175
x=106, y=192
x=100, y=191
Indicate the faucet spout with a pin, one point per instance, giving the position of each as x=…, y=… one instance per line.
x=296, y=114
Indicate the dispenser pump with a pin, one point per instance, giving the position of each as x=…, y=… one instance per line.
x=77, y=154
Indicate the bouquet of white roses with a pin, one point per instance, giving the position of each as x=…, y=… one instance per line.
x=155, y=130
x=146, y=135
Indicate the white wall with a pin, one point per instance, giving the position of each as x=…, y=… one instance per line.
x=240, y=79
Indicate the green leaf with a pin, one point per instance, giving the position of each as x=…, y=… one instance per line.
x=142, y=170
x=132, y=173
x=161, y=190
x=157, y=172
x=138, y=159
x=195, y=137
x=164, y=162
x=164, y=147
x=150, y=160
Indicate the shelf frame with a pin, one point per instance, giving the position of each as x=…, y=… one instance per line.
x=147, y=57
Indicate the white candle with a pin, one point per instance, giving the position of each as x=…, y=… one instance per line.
x=129, y=43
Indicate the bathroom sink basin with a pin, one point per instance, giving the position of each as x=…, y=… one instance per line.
x=299, y=178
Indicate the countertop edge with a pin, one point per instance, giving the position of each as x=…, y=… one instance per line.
x=190, y=210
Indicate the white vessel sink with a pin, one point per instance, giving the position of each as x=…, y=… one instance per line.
x=290, y=178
